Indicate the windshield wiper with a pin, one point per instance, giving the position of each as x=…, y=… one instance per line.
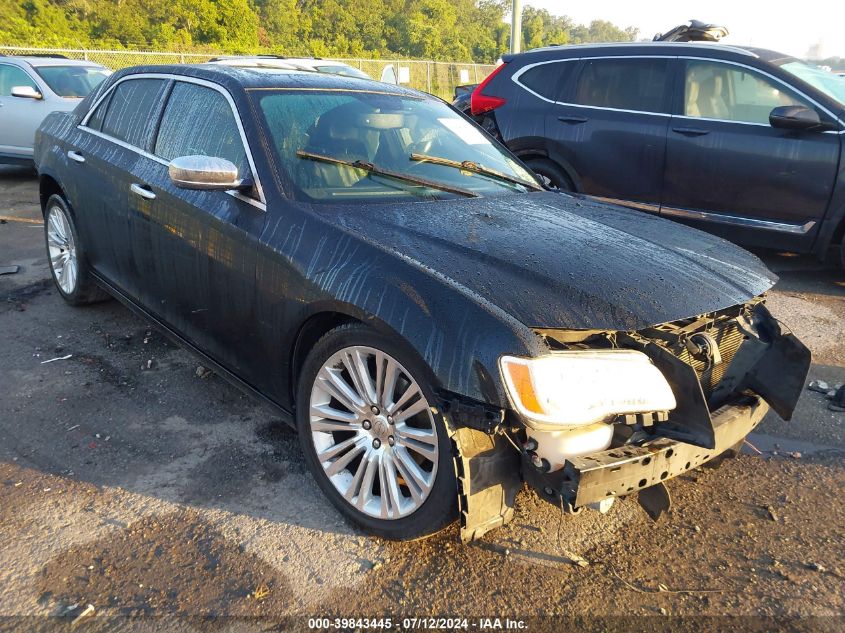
x=475, y=168
x=373, y=169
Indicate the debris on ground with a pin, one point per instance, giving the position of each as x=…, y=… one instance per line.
x=9, y=270
x=87, y=612
x=261, y=592
x=816, y=567
x=44, y=362
x=819, y=386
x=771, y=511
x=837, y=402
x=203, y=372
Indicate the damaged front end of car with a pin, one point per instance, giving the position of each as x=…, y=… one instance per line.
x=605, y=414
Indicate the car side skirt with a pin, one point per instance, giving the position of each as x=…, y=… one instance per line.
x=219, y=369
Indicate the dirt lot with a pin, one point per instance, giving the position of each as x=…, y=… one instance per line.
x=133, y=484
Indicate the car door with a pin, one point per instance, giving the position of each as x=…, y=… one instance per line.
x=110, y=144
x=730, y=172
x=19, y=116
x=196, y=248
x=611, y=128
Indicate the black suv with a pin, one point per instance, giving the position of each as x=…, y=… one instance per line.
x=743, y=142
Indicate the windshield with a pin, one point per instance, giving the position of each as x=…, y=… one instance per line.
x=827, y=82
x=72, y=81
x=389, y=133
x=346, y=71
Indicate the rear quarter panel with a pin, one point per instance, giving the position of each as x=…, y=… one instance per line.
x=50, y=145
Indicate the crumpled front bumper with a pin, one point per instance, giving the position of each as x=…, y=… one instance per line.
x=628, y=469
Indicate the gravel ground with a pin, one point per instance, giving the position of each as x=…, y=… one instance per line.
x=166, y=499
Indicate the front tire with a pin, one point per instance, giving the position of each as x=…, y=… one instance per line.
x=66, y=256
x=370, y=437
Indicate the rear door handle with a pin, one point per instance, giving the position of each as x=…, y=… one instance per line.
x=76, y=156
x=142, y=190
x=575, y=120
x=691, y=131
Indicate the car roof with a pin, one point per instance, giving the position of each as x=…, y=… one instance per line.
x=50, y=61
x=667, y=48
x=248, y=78
x=313, y=61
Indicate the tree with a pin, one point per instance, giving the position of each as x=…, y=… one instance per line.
x=454, y=30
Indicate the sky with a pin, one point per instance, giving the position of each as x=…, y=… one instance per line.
x=812, y=28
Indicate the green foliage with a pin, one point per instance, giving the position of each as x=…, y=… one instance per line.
x=430, y=29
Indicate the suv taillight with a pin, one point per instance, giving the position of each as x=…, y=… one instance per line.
x=479, y=103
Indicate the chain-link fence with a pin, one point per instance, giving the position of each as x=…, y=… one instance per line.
x=438, y=78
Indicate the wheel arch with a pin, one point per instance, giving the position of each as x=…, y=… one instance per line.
x=48, y=186
x=323, y=319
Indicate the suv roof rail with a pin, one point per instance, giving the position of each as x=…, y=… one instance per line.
x=46, y=55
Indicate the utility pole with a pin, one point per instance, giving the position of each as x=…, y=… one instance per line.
x=516, y=26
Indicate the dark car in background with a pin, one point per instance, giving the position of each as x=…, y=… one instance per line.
x=742, y=142
x=400, y=288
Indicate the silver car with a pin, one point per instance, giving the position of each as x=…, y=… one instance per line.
x=313, y=64
x=33, y=87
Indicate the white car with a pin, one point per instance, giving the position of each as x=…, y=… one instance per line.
x=33, y=87
x=314, y=64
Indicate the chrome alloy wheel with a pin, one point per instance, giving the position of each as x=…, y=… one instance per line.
x=62, y=249
x=373, y=432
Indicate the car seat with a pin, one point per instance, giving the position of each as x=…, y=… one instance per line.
x=337, y=135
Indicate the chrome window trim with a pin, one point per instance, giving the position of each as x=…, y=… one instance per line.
x=516, y=76
x=83, y=125
x=736, y=220
x=581, y=105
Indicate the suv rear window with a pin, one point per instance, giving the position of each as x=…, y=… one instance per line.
x=547, y=80
x=624, y=84
x=131, y=106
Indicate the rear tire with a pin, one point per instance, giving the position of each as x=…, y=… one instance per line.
x=550, y=174
x=66, y=256
x=370, y=437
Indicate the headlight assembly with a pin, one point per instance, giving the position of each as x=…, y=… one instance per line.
x=573, y=388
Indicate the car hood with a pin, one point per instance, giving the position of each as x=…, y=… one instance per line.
x=553, y=260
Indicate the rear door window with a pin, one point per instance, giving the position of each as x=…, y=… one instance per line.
x=548, y=80
x=130, y=116
x=623, y=84
x=198, y=121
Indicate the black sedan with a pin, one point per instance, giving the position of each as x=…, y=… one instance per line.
x=437, y=326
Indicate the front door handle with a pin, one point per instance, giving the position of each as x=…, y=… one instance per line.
x=142, y=190
x=76, y=156
x=691, y=131
x=575, y=120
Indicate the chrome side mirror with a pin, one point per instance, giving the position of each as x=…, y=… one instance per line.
x=205, y=172
x=26, y=92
